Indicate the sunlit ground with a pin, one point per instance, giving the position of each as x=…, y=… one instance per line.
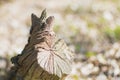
x=91, y=28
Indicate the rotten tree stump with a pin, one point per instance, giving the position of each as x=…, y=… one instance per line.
x=45, y=57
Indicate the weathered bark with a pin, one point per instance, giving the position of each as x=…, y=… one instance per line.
x=41, y=58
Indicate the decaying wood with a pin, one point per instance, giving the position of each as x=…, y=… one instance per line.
x=45, y=57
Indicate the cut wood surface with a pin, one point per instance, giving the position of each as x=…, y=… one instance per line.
x=45, y=57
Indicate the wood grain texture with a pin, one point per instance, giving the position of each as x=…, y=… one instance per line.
x=45, y=57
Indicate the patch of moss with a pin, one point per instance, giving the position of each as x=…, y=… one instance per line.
x=90, y=54
x=117, y=32
x=56, y=28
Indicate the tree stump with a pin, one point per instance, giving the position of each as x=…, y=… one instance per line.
x=45, y=57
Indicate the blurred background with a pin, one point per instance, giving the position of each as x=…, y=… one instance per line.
x=91, y=28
